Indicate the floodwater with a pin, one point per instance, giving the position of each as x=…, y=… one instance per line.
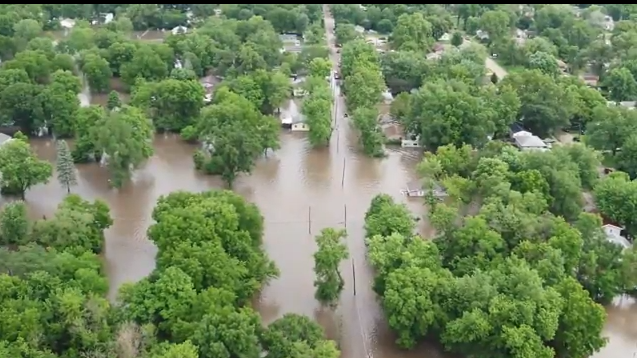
x=299, y=191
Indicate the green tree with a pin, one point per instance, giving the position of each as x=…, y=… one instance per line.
x=621, y=84
x=545, y=106
x=113, y=101
x=233, y=135
x=65, y=167
x=320, y=67
x=87, y=220
x=296, y=336
x=317, y=109
x=60, y=108
x=385, y=217
x=545, y=63
x=456, y=39
x=172, y=104
x=331, y=252
x=21, y=169
x=145, y=63
x=371, y=137
x=125, y=137
x=98, y=73
x=412, y=32
x=35, y=63
x=27, y=29
x=14, y=224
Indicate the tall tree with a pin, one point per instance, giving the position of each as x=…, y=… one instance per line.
x=65, y=167
x=21, y=168
x=331, y=252
x=125, y=137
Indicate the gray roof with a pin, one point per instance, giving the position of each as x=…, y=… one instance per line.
x=417, y=185
x=4, y=138
x=530, y=141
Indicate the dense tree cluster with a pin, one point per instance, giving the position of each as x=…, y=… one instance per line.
x=41, y=77
x=505, y=274
x=209, y=265
x=363, y=85
x=234, y=133
x=194, y=305
x=330, y=253
x=20, y=167
x=317, y=108
x=53, y=297
x=421, y=24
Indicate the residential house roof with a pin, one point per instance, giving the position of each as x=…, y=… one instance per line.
x=179, y=30
x=529, y=141
x=4, y=138
x=416, y=185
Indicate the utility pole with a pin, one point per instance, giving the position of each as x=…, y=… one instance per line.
x=309, y=220
x=343, y=175
x=354, y=275
x=345, y=214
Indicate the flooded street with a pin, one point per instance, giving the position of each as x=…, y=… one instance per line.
x=299, y=191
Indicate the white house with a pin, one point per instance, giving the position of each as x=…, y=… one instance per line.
x=299, y=125
x=613, y=234
x=482, y=35
x=411, y=142
x=299, y=92
x=4, y=139
x=446, y=37
x=359, y=29
x=179, y=30
x=416, y=189
x=67, y=23
x=527, y=141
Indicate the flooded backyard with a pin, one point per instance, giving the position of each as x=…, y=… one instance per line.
x=299, y=191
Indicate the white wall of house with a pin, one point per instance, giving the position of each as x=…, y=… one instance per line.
x=300, y=127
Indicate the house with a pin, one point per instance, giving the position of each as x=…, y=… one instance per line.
x=614, y=234
x=626, y=104
x=482, y=35
x=217, y=12
x=416, y=189
x=590, y=80
x=446, y=37
x=299, y=92
x=526, y=141
x=67, y=23
x=359, y=29
x=109, y=17
x=287, y=121
x=412, y=141
x=299, y=125
x=179, y=30
x=387, y=97
x=178, y=64
x=4, y=139
x=207, y=98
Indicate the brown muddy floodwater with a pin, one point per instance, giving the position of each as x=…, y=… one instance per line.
x=299, y=191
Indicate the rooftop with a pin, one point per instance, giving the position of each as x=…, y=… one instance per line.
x=4, y=138
x=530, y=141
